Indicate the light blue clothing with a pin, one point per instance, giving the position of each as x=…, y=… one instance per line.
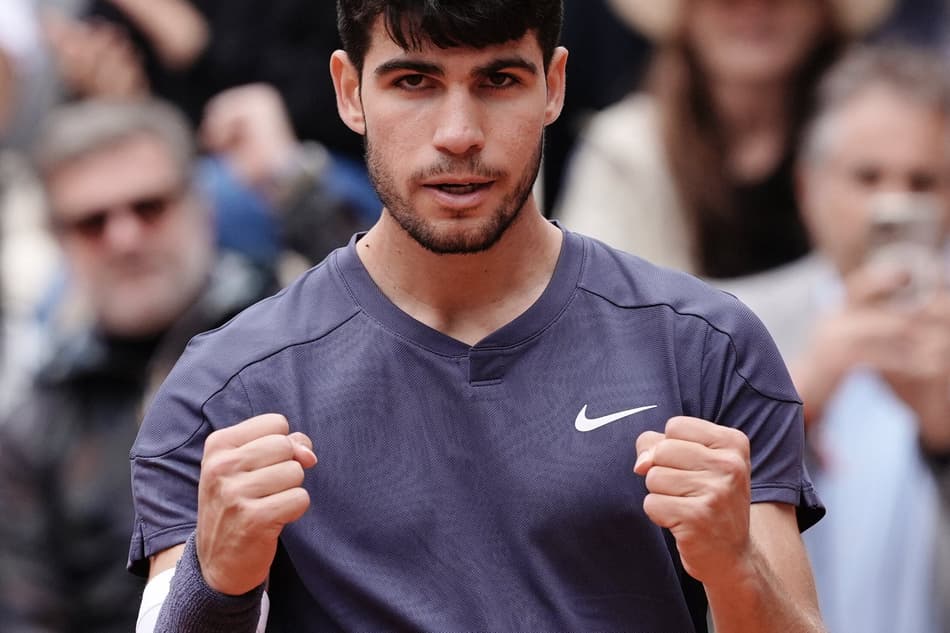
x=873, y=553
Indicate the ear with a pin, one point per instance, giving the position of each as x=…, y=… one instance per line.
x=346, y=82
x=556, y=84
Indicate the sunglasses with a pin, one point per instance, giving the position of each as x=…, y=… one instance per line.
x=91, y=225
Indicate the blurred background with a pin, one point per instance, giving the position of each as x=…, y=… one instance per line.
x=165, y=163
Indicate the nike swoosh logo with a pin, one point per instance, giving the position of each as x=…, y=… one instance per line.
x=584, y=424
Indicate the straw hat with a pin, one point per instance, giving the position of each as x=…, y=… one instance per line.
x=657, y=18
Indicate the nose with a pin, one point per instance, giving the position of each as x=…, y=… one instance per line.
x=459, y=129
x=124, y=231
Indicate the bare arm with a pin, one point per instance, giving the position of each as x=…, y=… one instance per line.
x=750, y=559
x=774, y=590
x=164, y=560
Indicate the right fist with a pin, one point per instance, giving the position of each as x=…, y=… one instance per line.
x=249, y=489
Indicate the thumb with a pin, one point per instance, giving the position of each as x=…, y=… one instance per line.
x=303, y=450
x=645, y=445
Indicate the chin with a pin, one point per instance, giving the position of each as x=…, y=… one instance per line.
x=146, y=317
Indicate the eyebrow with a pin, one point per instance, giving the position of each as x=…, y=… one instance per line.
x=505, y=63
x=423, y=68
x=429, y=68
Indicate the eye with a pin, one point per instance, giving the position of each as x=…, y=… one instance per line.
x=921, y=181
x=867, y=176
x=91, y=226
x=150, y=209
x=500, y=80
x=411, y=82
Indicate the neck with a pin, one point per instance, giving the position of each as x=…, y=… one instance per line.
x=464, y=296
x=755, y=119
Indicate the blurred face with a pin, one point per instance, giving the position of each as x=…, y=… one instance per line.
x=878, y=142
x=753, y=40
x=453, y=136
x=133, y=235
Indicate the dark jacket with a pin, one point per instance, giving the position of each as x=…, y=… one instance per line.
x=64, y=470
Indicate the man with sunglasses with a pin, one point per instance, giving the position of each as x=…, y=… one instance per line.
x=139, y=244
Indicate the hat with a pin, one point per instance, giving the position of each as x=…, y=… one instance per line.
x=657, y=18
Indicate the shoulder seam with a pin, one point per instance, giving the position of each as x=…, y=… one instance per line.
x=237, y=373
x=237, y=376
x=709, y=325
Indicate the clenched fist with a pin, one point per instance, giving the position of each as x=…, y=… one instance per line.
x=698, y=475
x=249, y=489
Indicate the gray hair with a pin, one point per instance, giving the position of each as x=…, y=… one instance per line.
x=76, y=130
x=917, y=75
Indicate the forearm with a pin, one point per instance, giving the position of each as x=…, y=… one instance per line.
x=754, y=600
x=176, y=30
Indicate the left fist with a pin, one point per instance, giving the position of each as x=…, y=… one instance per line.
x=698, y=475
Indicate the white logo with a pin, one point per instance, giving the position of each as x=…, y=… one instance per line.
x=584, y=424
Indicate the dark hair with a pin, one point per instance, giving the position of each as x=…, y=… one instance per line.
x=449, y=23
x=695, y=146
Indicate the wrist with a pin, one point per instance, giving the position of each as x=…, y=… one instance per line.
x=193, y=605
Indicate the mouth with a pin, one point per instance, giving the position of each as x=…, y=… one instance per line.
x=459, y=189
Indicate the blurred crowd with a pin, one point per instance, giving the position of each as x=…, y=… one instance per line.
x=166, y=163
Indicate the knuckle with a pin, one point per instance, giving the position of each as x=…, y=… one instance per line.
x=676, y=426
x=299, y=500
x=227, y=491
x=296, y=472
x=279, y=419
x=735, y=467
x=214, y=465
x=739, y=440
x=650, y=505
x=213, y=441
x=646, y=439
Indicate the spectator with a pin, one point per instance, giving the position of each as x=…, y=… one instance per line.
x=191, y=50
x=873, y=363
x=596, y=39
x=698, y=174
x=306, y=188
x=138, y=241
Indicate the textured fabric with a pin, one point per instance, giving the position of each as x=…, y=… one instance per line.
x=193, y=607
x=453, y=490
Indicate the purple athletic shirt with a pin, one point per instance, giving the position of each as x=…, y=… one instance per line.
x=477, y=488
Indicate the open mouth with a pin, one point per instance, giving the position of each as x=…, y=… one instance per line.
x=461, y=189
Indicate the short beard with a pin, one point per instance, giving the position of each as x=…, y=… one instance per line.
x=476, y=240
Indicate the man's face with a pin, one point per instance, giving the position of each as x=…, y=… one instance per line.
x=879, y=141
x=132, y=233
x=454, y=136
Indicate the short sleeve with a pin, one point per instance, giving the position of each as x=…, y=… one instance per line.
x=195, y=400
x=746, y=385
